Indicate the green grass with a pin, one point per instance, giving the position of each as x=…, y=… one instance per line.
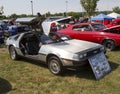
x=30, y=77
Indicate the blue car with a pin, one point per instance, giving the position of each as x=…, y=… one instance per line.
x=1, y=35
x=15, y=29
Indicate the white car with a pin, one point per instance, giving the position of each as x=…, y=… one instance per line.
x=57, y=54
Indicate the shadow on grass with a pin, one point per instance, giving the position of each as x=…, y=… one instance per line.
x=113, y=65
x=80, y=72
x=35, y=62
x=116, y=49
x=5, y=86
x=86, y=71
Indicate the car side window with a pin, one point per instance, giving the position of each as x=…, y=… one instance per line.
x=82, y=28
x=76, y=28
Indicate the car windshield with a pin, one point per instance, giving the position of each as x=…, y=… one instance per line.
x=54, y=38
x=98, y=27
x=45, y=39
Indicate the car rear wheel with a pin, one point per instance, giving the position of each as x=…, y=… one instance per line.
x=109, y=45
x=13, y=53
x=55, y=65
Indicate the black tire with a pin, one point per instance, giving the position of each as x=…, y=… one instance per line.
x=109, y=45
x=13, y=54
x=55, y=66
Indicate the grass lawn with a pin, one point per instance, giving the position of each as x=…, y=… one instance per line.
x=30, y=77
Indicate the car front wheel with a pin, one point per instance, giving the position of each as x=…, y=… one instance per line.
x=13, y=53
x=55, y=65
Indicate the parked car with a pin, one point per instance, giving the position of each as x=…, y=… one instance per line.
x=94, y=32
x=57, y=54
x=114, y=22
x=3, y=24
x=15, y=29
x=1, y=35
x=55, y=23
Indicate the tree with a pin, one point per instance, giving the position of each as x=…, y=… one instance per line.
x=1, y=10
x=48, y=14
x=74, y=14
x=89, y=6
x=116, y=9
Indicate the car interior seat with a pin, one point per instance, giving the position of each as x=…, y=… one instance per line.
x=32, y=45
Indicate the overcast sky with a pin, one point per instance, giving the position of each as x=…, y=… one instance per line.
x=52, y=6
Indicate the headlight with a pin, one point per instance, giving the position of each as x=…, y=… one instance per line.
x=83, y=55
x=80, y=56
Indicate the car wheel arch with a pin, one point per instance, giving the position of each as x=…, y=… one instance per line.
x=51, y=55
x=12, y=48
x=55, y=64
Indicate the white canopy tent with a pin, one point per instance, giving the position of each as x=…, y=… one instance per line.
x=114, y=15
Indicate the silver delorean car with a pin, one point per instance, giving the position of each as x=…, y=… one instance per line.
x=57, y=51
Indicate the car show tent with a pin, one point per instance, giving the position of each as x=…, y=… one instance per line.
x=101, y=17
x=114, y=15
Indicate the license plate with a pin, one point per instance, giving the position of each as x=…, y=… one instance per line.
x=100, y=65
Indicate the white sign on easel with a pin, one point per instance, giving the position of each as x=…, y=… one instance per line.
x=100, y=65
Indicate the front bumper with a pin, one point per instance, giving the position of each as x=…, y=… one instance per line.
x=67, y=62
x=83, y=61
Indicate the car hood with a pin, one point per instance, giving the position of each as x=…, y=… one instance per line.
x=74, y=46
x=112, y=27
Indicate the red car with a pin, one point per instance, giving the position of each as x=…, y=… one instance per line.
x=114, y=22
x=94, y=32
